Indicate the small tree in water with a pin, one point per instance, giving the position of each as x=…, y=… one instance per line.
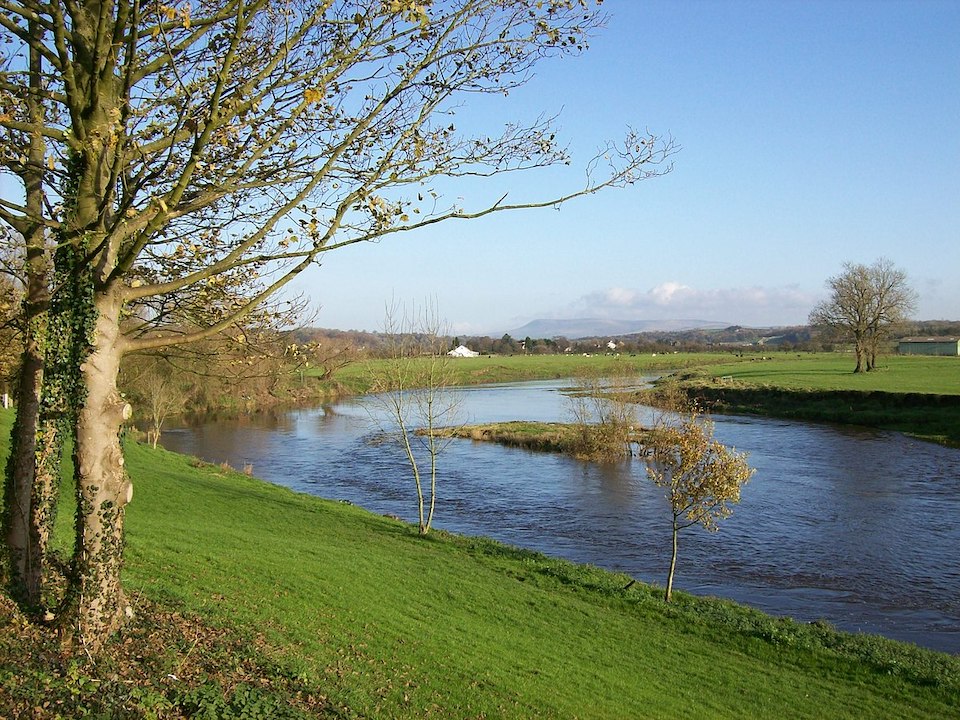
x=604, y=416
x=701, y=476
x=413, y=386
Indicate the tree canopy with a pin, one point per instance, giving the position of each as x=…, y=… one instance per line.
x=188, y=159
x=210, y=144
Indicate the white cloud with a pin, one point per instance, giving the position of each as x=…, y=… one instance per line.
x=671, y=293
x=673, y=300
x=620, y=297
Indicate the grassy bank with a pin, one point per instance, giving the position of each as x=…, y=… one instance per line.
x=916, y=395
x=282, y=602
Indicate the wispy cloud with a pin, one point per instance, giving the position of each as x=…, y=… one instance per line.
x=673, y=300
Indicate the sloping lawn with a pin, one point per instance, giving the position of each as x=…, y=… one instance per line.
x=358, y=610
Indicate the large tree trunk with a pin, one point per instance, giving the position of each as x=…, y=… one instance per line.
x=96, y=604
x=37, y=459
x=23, y=558
x=45, y=495
x=861, y=352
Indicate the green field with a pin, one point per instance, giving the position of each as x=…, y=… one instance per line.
x=790, y=371
x=271, y=599
x=834, y=371
x=911, y=394
x=514, y=368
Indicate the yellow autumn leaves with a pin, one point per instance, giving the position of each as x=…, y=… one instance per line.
x=700, y=474
x=411, y=10
x=169, y=13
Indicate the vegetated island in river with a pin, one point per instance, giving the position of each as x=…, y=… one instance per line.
x=556, y=437
x=544, y=436
x=530, y=435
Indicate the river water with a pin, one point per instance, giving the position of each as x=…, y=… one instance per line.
x=853, y=526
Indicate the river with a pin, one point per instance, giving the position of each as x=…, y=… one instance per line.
x=853, y=526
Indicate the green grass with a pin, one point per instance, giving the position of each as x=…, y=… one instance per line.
x=358, y=609
x=912, y=394
x=834, y=371
x=792, y=371
x=356, y=377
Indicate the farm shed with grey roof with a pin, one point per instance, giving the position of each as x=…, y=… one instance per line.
x=929, y=346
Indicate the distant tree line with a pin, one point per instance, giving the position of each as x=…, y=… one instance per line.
x=800, y=338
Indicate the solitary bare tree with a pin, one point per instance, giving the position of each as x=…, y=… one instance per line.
x=178, y=150
x=414, y=386
x=865, y=303
x=701, y=476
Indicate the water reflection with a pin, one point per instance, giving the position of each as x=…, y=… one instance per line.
x=848, y=525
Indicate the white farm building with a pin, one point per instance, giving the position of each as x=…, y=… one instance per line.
x=462, y=351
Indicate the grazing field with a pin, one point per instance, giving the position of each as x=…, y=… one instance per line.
x=834, y=371
x=251, y=596
x=911, y=394
x=788, y=371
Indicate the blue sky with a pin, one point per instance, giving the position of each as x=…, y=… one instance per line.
x=812, y=133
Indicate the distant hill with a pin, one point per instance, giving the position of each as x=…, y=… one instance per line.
x=595, y=332
x=734, y=335
x=595, y=327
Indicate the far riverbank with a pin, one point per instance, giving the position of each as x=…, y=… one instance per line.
x=935, y=418
x=916, y=395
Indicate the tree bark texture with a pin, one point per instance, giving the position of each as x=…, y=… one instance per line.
x=23, y=556
x=96, y=604
x=24, y=565
x=860, y=353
